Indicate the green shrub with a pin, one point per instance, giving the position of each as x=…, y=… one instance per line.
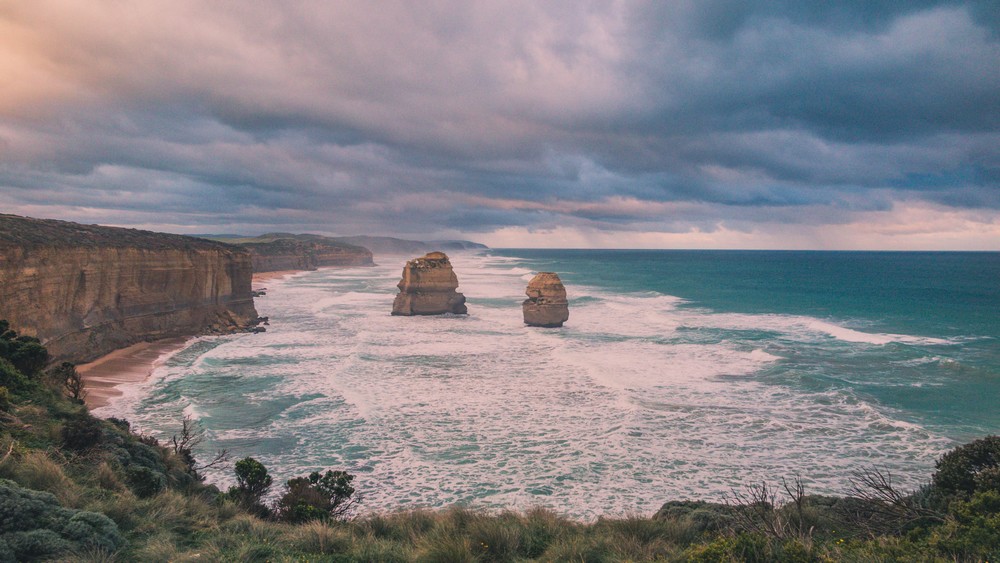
x=988, y=479
x=958, y=469
x=252, y=483
x=5, y=404
x=28, y=355
x=33, y=525
x=144, y=482
x=317, y=497
x=10, y=377
x=974, y=532
x=82, y=432
x=120, y=423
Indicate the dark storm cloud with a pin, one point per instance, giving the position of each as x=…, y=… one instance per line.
x=454, y=117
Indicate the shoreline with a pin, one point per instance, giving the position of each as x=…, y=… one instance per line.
x=104, y=377
x=261, y=277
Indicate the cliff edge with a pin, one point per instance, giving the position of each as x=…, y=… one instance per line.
x=86, y=290
x=274, y=252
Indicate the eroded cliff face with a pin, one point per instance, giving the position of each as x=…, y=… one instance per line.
x=86, y=290
x=280, y=251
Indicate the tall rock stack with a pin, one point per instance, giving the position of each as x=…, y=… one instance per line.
x=546, y=305
x=428, y=288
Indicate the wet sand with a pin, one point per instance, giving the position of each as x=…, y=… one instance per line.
x=134, y=364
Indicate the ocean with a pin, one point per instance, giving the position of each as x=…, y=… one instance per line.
x=679, y=375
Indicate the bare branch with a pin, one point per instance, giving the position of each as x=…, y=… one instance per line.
x=884, y=508
x=221, y=456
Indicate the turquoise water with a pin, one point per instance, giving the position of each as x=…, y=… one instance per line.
x=951, y=296
x=679, y=375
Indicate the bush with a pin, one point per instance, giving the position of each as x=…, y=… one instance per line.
x=66, y=376
x=144, y=482
x=10, y=377
x=317, y=497
x=252, y=483
x=974, y=532
x=82, y=432
x=958, y=469
x=28, y=355
x=33, y=526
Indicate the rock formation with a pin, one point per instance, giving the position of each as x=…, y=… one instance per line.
x=428, y=288
x=86, y=290
x=546, y=305
x=285, y=251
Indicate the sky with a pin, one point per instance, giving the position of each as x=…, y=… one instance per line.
x=617, y=124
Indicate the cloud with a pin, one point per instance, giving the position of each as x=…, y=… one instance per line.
x=459, y=119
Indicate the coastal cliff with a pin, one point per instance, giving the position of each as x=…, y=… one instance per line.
x=86, y=290
x=275, y=252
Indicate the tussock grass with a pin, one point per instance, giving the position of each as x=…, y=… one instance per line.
x=319, y=537
x=374, y=549
x=496, y=538
x=107, y=478
x=445, y=545
x=93, y=555
x=158, y=549
x=36, y=470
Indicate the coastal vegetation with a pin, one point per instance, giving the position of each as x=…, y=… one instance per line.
x=74, y=487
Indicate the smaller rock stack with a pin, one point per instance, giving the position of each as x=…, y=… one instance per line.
x=428, y=288
x=546, y=305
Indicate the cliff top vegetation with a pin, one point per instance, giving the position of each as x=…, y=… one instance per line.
x=29, y=233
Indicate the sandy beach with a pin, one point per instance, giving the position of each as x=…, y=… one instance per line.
x=134, y=364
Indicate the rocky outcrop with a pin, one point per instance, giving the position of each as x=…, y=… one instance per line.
x=285, y=251
x=546, y=305
x=86, y=290
x=428, y=288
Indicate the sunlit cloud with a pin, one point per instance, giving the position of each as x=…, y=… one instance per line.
x=628, y=124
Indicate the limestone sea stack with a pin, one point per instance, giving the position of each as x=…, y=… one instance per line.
x=428, y=288
x=546, y=305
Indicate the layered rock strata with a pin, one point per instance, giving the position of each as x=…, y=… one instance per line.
x=428, y=288
x=546, y=305
x=86, y=290
x=285, y=251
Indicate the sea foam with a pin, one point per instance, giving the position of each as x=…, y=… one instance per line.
x=639, y=399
